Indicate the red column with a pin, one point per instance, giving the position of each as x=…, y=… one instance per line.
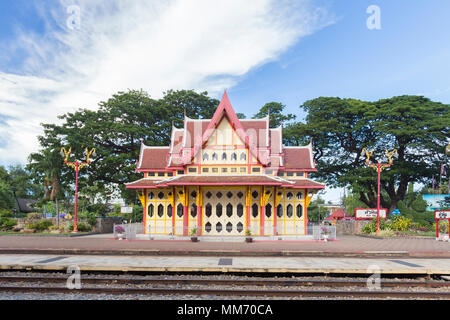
x=174, y=204
x=306, y=211
x=75, y=229
x=261, y=220
x=378, y=197
x=199, y=220
x=144, y=211
x=274, y=211
x=437, y=229
x=185, y=220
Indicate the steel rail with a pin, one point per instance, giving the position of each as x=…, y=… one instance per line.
x=234, y=292
x=231, y=282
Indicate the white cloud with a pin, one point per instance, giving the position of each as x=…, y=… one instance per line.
x=153, y=45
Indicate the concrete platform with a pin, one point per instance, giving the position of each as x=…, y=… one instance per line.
x=345, y=246
x=297, y=265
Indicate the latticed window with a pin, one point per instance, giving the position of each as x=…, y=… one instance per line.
x=218, y=210
x=193, y=210
x=161, y=195
x=234, y=156
x=255, y=210
x=224, y=156
x=268, y=210
x=151, y=195
x=205, y=157
x=151, y=210
x=243, y=156
x=240, y=210
x=229, y=210
x=299, y=211
x=169, y=210
x=180, y=210
x=160, y=210
x=289, y=196
x=208, y=210
x=289, y=210
x=214, y=156
x=280, y=211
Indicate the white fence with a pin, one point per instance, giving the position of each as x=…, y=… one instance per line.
x=321, y=232
x=128, y=231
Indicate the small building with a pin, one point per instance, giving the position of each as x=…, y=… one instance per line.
x=224, y=176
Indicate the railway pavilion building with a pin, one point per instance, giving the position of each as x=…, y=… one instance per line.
x=224, y=176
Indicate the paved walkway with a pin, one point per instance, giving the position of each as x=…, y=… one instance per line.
x=350, y=246
x=310, y=265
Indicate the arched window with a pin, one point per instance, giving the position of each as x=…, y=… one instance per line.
x=268, y=210
x=280, y=211
x=289, y=196
x=151, y=210
x=233, y=156
x=214, y=156
x=289, y=210
x=229, y=210
x=299, y=195
x=299, y=211
x=205, y=157
x=208, y=210
x=224, y=156
x=151, y=195
x=193, y=210
x=255, y=210
x=180, y=210
x=240, y=210
x=219, y=210
x=160, y=210
x=243, y=156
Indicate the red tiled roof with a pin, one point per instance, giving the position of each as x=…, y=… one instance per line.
x=337, y=214
x=224, y=180
x=297, y=158
x=153, y=158
x=305, y=183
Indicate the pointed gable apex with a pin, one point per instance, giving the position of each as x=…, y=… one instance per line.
x=225, y=109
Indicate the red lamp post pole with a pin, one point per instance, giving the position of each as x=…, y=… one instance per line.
x=76, y=165
x=75, y=229
x=378, y=197
x=379, y=166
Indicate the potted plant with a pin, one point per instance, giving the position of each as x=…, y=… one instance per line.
x=194, y=235
x=325, y=233
x=248, y=235
x=120, y=230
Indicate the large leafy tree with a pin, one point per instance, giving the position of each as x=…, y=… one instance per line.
x=116, y=129
x=340, y=128
x=275, y=111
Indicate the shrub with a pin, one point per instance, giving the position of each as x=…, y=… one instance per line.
x=7, y=223
x=40, y=225
x=82, y=227
x=92, y=220
x=401, y=223
x=6, y=213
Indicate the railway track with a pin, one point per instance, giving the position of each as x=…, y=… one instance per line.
x=253, y=287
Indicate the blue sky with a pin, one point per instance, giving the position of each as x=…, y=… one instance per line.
x=260, y=51
x=409, y=55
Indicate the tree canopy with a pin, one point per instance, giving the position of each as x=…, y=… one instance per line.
x=415, y=126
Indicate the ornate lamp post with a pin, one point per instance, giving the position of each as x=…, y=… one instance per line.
x=76, y=165
x=379, y=167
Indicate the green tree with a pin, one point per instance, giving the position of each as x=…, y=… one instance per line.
x=276, y=114
x=340, y=128
x=116, y=130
